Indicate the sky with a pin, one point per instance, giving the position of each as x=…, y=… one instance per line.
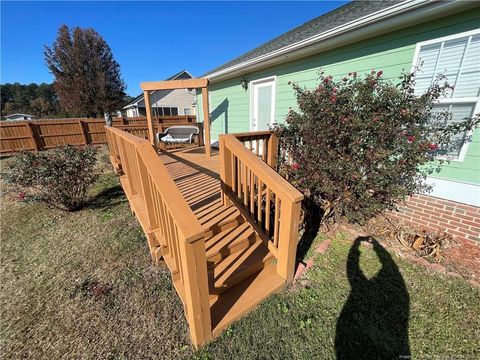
x=150, y=40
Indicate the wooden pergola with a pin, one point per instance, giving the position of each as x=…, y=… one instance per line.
x=201, y=83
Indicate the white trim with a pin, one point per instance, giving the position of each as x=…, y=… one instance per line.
x=251, y=84
x=455, y=191
x=464, y=100
x=433, y=10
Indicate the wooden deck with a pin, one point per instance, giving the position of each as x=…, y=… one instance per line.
x=226, y=225
x=238, y=261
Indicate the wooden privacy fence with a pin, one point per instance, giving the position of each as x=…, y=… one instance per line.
x=265, y=198
x=47, y=134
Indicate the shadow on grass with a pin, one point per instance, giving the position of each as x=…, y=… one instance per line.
x=312, y=222
x=107, y=198
x=373, y=323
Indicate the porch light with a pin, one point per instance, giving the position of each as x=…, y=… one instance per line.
x=244, y=83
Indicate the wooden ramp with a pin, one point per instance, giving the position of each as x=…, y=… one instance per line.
x=241, y=272
x=225, y=225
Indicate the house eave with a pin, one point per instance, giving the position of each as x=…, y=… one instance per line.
x=387, y=20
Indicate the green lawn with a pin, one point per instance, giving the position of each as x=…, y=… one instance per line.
x=81, y=285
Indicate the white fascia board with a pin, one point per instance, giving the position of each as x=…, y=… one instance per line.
x=386, y=20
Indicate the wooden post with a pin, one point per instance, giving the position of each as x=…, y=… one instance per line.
x=225, y=170
x=272, y=151
x=206, y=121
x=287, y=241
x=150, y=123
x=195, y=279
x=82, y=132
x=32, y=135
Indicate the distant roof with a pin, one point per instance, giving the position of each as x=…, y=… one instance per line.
x=18, y=114
x=340, y=16
x=173, y=77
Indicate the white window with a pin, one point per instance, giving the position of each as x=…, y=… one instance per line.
x=458, y=58
x=165, y=110
x=186, y=111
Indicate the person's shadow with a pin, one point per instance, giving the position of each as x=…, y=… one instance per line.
x=373, y=323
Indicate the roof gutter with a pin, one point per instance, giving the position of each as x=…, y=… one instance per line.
x=380, y=22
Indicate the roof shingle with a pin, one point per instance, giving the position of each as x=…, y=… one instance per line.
x=340, y=16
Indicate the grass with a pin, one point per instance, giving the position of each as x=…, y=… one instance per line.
x=81, y=285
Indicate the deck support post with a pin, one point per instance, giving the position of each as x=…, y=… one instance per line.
x=150, y=123
x=206, y=121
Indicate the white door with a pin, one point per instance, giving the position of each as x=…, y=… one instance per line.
x=262, y=104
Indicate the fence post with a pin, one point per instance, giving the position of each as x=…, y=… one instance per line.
x=82, y=132
x=32, y=135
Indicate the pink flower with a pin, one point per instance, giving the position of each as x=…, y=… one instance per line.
x=326, y=80
x=21, y=195
x=404, y=111
x=410, y=138
x=433, y=147
x=375, y=118
x=295, y=166
x=334, y=90
x=380, y=73
x=333, y=99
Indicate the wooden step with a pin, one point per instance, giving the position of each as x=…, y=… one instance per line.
x=237, y=267
x=223, y=219
x=229, y=242
x=242, y=298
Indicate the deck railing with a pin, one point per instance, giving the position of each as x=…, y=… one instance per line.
x=173, y=232
x=270, y=203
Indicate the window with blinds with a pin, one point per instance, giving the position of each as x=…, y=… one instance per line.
x=457, y=58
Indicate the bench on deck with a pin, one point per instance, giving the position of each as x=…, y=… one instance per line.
x=179, y=135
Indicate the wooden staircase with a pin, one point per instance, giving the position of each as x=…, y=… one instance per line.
x=226, y=228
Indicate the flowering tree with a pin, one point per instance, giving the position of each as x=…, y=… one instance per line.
x=358, y=145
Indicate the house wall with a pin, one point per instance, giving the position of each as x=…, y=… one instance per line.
x=434, y=214
x=392, y=53
x=180, y=98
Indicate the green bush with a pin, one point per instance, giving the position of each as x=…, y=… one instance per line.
x=358, y=145
x=60, y=177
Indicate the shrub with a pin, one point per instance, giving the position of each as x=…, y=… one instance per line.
x=358, y=145
x=60, y=177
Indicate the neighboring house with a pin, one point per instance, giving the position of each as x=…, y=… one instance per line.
x=391, y=36
x=14, y=117
x=165, y=102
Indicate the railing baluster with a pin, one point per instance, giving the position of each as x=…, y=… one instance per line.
x=276, y=224
x=267, y=211
x=259, y=201
x=245, y=181
x=252, y=193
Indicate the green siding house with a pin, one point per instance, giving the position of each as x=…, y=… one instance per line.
x=252, y=92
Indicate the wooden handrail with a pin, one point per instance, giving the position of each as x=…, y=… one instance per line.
x=268, y=201
x=169, y=225
x=268, y=175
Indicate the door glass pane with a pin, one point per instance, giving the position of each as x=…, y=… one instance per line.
x=264, y=108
